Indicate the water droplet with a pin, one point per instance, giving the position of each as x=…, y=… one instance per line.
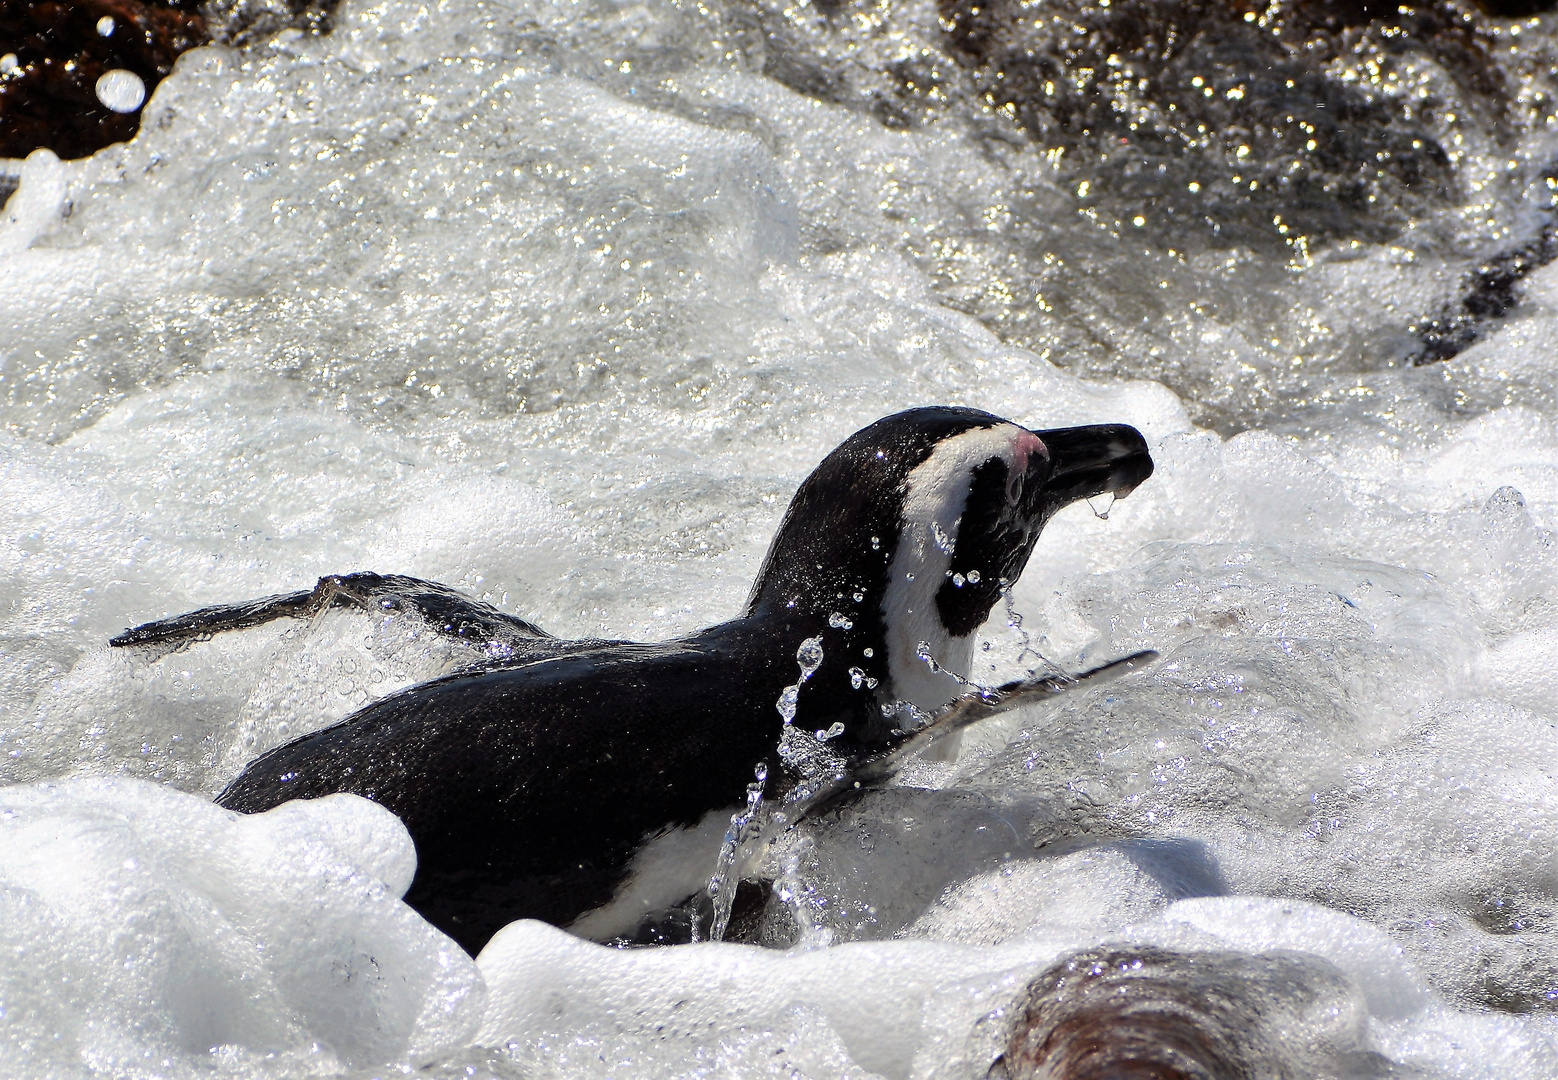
x=876, y=541
x=973, y=577
x=840, y=622
x=809, y=655
x=834, y=731
x=786, y=704
x=120, y=90
x=9, y=63
x=958, y=579
x=105, y=26
x=868, y=653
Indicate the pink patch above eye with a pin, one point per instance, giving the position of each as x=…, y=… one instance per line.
x=1025, y=445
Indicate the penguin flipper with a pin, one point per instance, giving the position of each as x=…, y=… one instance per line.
x=954, y=717
x=980, y=705
x=445, y=610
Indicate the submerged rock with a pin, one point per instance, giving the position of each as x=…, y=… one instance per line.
x=1153, y=1014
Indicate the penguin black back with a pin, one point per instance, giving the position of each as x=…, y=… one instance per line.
x=529, y=787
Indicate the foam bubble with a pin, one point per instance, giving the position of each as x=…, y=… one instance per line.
x=119, y=89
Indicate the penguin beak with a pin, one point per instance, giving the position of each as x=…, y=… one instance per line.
x=1092, y=460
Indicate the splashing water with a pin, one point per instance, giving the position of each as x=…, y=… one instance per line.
x=922, y=652
x=811, y=763
x=795, y=887
x=726, y=871
x=805, y=757
x=809, y=759
x=813, y=766
x=809, y=656
x=1014, y=620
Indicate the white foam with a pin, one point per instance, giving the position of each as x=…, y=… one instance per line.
x=150, y=931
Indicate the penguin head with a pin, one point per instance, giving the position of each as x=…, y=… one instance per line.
x=896, y=548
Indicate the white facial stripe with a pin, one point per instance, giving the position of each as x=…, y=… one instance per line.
x=934, y=497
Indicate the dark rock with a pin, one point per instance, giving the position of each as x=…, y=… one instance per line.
x=1490, y=292
x=241, y=22
x=1245, y=124
x=1151, y=1014
x=1249, y=123
x=50, y=98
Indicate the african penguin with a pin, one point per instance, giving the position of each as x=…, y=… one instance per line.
x=530, y=785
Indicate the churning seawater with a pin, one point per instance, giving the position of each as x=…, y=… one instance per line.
x=557, y=303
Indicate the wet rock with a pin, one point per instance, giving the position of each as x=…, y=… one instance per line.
x=57, y=51
x=1297, y=122
x=1515, y=9
x=240, y=22
x=1491, y=290
x=1287, y=122
x=1151, y=1014
x=63, y=48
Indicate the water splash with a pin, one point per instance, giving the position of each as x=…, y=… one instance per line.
x=794, y=890
x=743, y=825
x=1014, y=620
x=809, y=656
x=811, y=763
x=804, y=756
x=922, y=652
x=809, y=759
x=912, y=717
